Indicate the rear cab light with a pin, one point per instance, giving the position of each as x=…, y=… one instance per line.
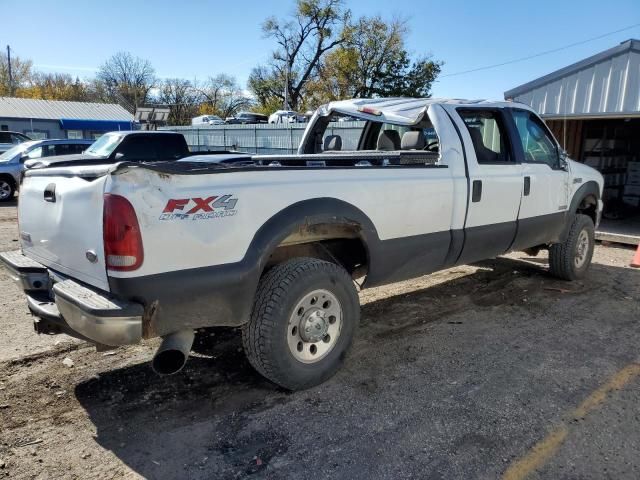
x=122, y=238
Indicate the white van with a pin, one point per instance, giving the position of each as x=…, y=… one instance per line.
x=206, y=120
x=284, y=116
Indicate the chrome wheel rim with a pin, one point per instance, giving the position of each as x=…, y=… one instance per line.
x=582, y=249
x=5, y=189
x=314, y=326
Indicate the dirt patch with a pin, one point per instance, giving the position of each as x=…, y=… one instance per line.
x=452, y=375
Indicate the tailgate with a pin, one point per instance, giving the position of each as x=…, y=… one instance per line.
x=60, y=221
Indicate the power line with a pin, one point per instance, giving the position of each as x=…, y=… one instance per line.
x=547, y=52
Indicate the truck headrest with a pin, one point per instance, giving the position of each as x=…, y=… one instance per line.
x=389, y=140
x=332, y=143
x=413, y=140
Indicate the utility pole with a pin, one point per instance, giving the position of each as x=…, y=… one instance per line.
x=9, y=68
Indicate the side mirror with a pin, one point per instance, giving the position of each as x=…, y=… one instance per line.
x=564, y=159
x=119, y=157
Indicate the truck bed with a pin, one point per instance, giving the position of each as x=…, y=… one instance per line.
x=362, y=159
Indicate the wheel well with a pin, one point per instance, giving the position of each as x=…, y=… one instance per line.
x=337, y=243
x=589, y=206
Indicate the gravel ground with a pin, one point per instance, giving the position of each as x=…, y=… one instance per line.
x=475, y=372
x=16, y=327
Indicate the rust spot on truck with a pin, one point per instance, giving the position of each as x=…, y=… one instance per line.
x=149, y=329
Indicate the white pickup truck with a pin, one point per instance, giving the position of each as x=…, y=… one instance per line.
x=117, y=253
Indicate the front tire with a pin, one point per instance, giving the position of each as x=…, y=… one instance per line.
x=304, y=318
x=570, y=260
x=7, y=190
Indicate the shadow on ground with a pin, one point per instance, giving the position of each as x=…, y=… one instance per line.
x=220, y=419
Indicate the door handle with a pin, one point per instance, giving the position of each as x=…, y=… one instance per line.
x=50, y=193
x=476, y=192
x=527, y=186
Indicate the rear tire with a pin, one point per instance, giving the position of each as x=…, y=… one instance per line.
x=570, y=260
x=304, y=318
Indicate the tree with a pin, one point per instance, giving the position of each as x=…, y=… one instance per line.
x=403, y=78
x=317, y=27
x=182, y=99
x=267, y=86
x=126, y=79
x=373, y=62
x=221, y=95
x=21, y=71
x=55, y=86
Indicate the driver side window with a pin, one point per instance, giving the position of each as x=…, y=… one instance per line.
x=35, y=153
x=538, y=145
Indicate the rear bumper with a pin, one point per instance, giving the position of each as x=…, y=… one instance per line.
x=72, y=308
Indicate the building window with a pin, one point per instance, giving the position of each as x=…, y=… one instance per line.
x=37, y=134
x=75, y=134
x=4, y=128
x=96, y=135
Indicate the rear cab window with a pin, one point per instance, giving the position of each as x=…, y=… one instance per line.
x=360, y=135
x=488, y=135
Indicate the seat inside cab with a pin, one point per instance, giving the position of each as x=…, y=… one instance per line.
x=363, y=136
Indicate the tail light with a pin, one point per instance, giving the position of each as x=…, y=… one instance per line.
x=121, y=234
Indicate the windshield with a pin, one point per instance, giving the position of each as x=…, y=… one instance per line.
x=104, y=146
x=18, y=149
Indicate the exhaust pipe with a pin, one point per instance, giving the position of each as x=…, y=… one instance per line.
x=173, y=352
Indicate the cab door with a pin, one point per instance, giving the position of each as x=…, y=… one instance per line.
x=494, y=182
x=545, y=196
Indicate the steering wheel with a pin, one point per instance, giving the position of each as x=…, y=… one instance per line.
x=429, y=146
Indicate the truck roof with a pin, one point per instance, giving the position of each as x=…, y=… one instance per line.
x=400, y=110
x=146, y=132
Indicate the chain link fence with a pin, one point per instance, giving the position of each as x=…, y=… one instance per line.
x=262, y=138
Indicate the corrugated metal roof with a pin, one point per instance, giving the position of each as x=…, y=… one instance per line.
x=606, y=84
x=55, y=110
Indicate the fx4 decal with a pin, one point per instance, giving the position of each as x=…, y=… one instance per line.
x=215, y=206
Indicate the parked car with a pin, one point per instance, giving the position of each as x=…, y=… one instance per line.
x=163, y=248
x=12, y=161
x=136, y=146
x=286, y=116
x=346, y=118
x=132, y=146
x=203, y=120
x=246, y=117
x=10, y=139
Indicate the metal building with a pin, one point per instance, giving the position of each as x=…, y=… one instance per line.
x=593, y=109
x=60, y=119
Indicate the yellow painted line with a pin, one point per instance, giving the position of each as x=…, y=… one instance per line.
x=549, y=445
x=617, y=382
x=538, y=455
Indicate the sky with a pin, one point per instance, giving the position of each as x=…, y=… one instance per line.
x=195, y=39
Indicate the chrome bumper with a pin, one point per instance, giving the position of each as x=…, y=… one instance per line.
x=72, y=308
x=27, y=273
